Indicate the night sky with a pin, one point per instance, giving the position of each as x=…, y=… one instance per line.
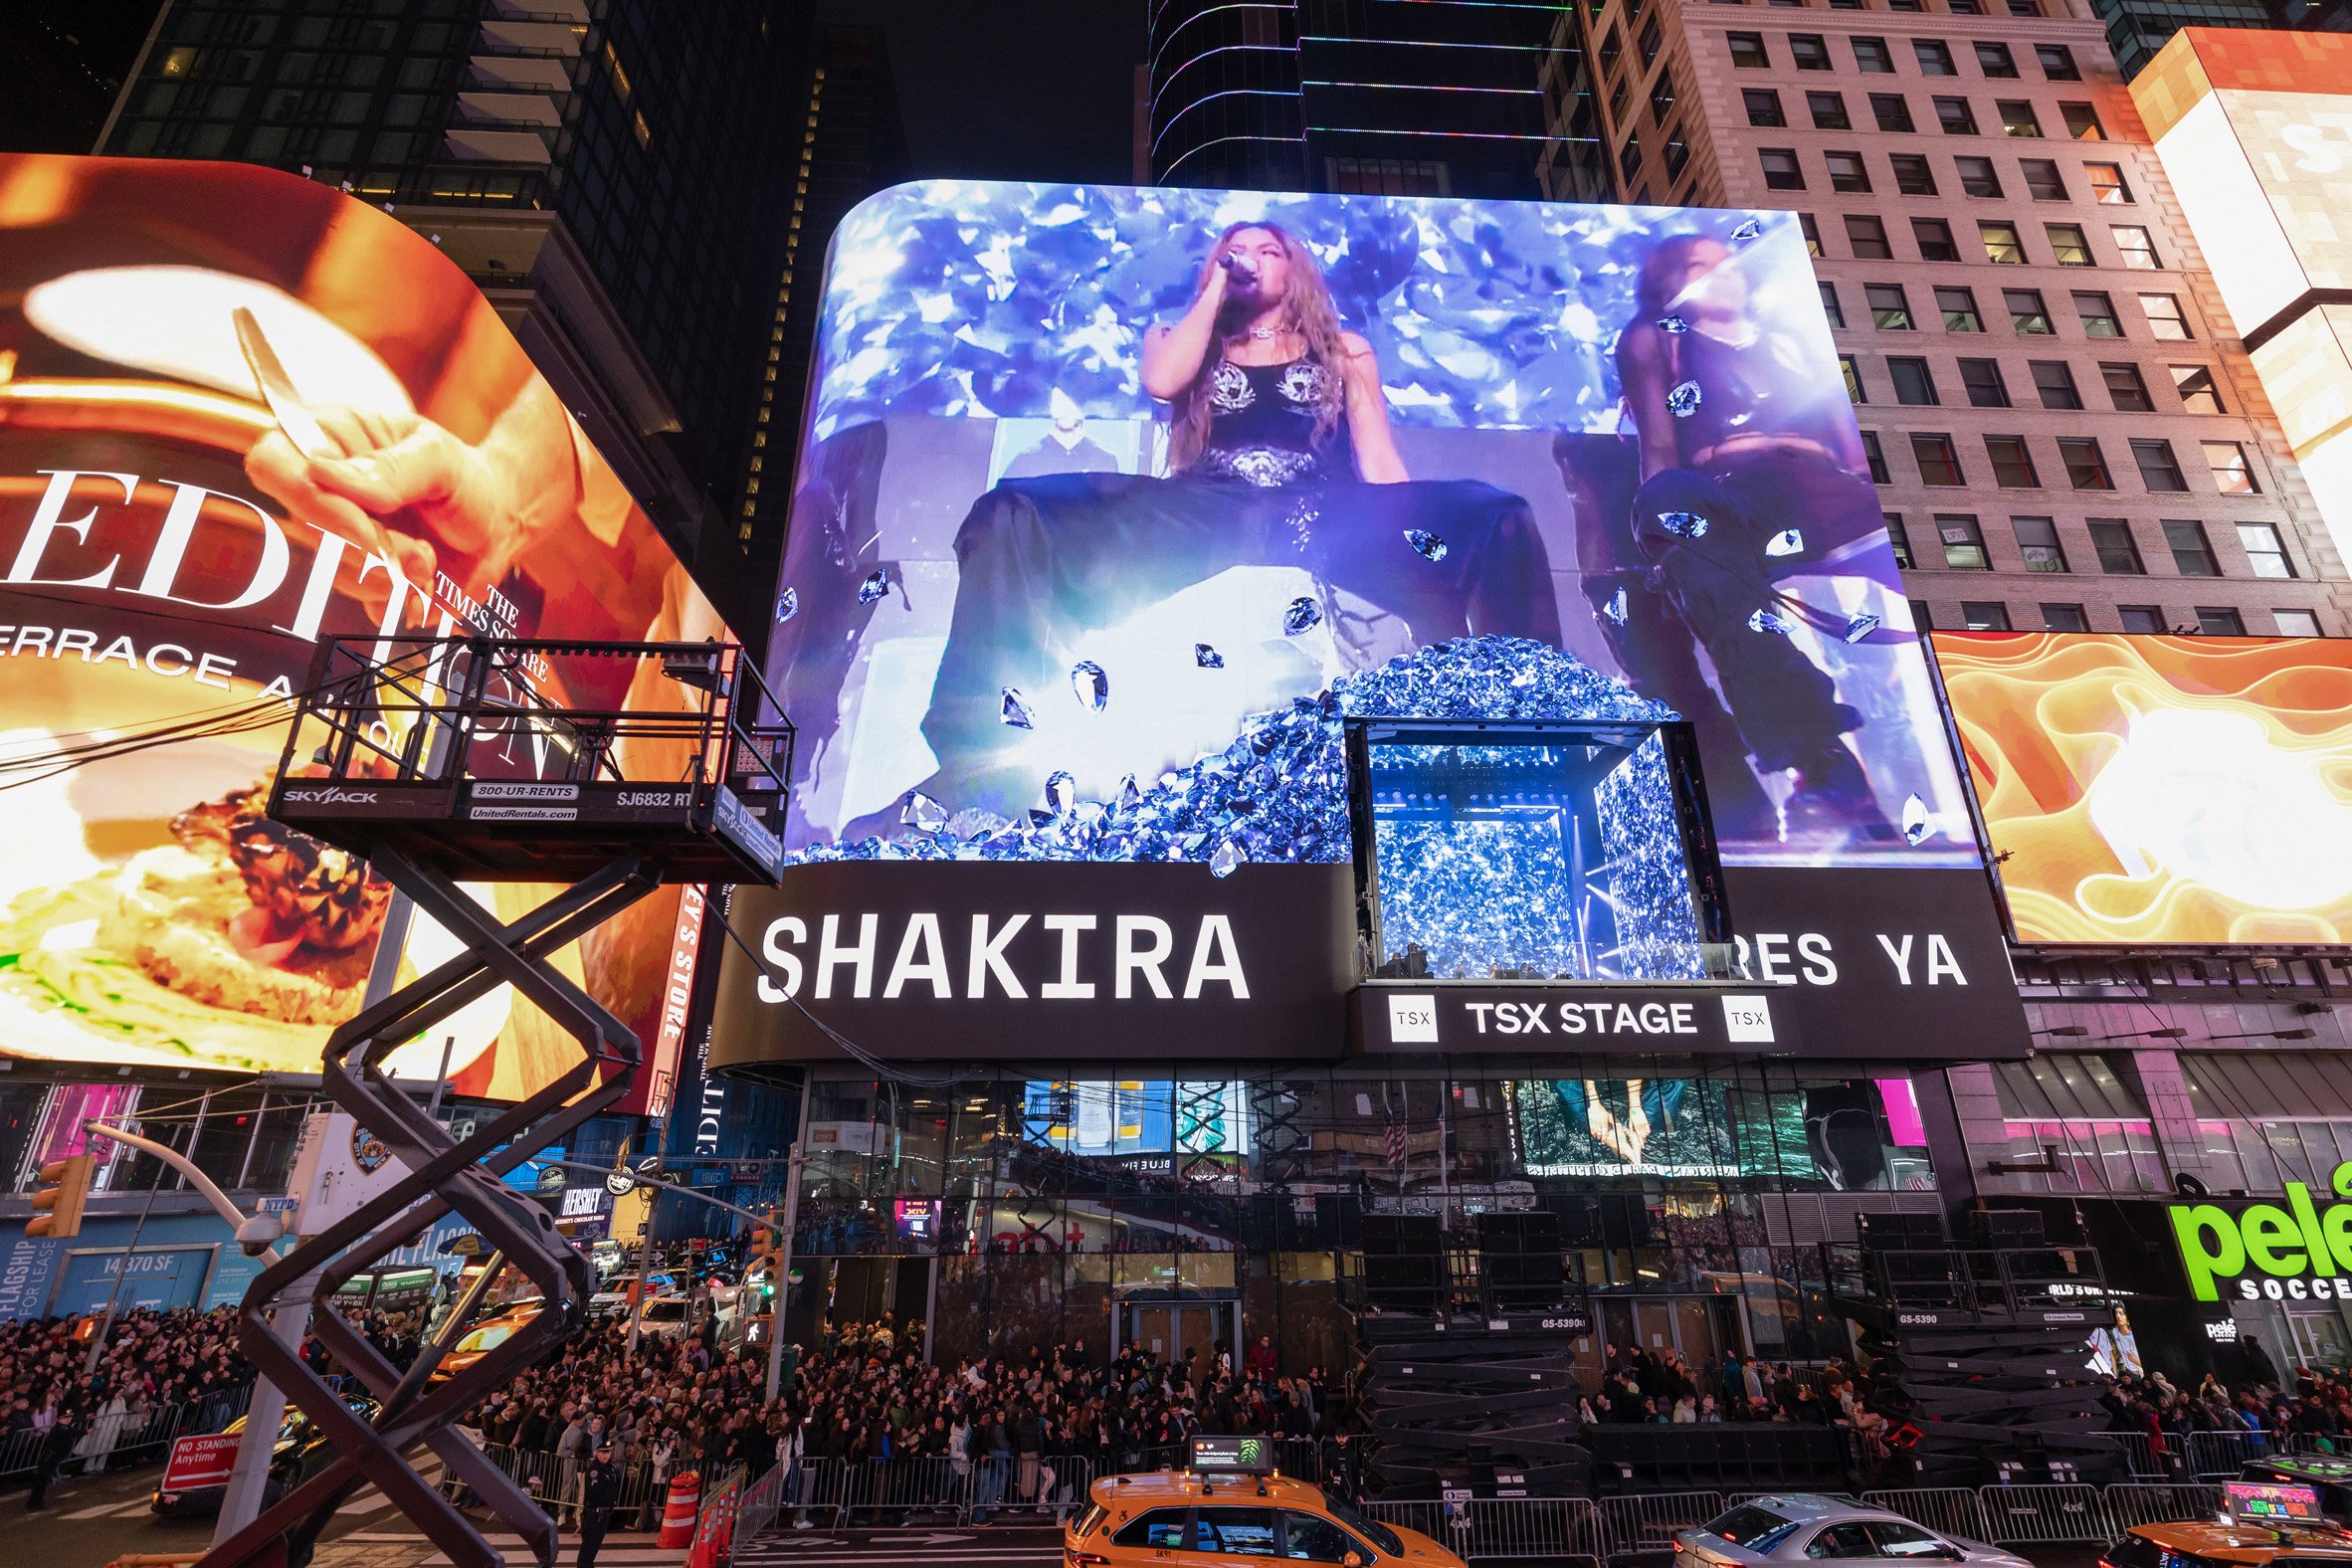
x=1013, y=90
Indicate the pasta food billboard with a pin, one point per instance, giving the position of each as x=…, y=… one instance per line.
x=239, y=412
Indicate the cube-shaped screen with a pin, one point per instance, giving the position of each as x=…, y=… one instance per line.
x=1551, y=852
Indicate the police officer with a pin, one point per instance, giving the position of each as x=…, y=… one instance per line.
x=599, y=1491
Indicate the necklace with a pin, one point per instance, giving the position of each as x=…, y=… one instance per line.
x=1266, y=334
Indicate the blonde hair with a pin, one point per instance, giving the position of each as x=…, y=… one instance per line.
x=1306, y=311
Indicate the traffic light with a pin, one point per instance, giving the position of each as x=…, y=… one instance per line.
x=56, y=1207
x=764, y=1255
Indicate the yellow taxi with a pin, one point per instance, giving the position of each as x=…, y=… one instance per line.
x=1172, y=1518
x=2229, y=1543
x=485, y=1337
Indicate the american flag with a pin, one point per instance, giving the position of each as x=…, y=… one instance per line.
x=1396, y=1135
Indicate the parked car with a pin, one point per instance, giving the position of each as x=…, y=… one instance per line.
x=301, y=1452
x=1807, y=1527
x=665, y=1317
x=613, y=1300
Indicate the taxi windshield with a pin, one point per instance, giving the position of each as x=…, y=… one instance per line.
x=1378, y=1533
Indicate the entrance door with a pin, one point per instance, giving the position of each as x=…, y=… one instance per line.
x=1699, y=1327
x=2317, y=1339
x=1167, y=1329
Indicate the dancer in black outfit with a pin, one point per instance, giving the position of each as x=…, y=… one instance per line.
x=1737, y=431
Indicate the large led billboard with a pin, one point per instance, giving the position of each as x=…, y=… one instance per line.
x=2255, y=131
x=1119, y=509
x=240, y=411
x=2152, y=790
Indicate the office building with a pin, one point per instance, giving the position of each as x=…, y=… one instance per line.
x=849, y=142
x=1384, y=97
x=2064, y=429
x=611, y=172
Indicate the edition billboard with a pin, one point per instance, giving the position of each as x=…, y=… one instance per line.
x=1122, y=511
x=2150, y=790
x=240, y=411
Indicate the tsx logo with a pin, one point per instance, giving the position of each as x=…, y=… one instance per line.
x=1412, y=1019
x=336, y=796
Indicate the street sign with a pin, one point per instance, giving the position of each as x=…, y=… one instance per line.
x=552, y=1179
x=281, y=1204
x=620, y=1184
x=201, y=1462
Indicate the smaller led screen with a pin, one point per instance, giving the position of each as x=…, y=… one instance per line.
x=2162, y=789
x=1845, y=1136
x=1103, y=1117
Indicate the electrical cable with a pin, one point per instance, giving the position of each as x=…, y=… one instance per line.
x=849, y=1046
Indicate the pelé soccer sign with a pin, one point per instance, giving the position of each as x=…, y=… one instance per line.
x=2295, y=1252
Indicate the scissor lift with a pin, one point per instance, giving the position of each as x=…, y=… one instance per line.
x=609, y=768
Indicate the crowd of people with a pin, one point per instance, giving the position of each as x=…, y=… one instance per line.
x=2312, y=1408
x=154, y=1370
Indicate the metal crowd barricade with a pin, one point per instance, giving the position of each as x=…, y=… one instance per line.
x=763, y=1501
x=2157, y=1502
x=1947, y=1510
x=1530, y=1529
x=2220, y=1454
x=2047, y=1513
x=1648, y=1523
x=881, y=1493
x=2149, y=1456
x=141, y=1437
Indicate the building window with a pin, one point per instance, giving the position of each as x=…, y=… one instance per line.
x=1811, y=232
x=2107, y=185
x=1873, y=57
x=1764, y=107
x=1809, y=51
x=2232, y=474
x=1661, y=99
x=1938, y=460
x=2042, y=180
x=2055, y=380
x=1995, y=61
x=1954, y=114
x=1963, y=541
x=2095, y=309
x=2065, y=617
x=2027, y=314
x=1934, y=57
x=2125, y=389
x=1868, y=237
x=2083, y=122
x=1934, y=239
x=1893, y=112
x=2111, y=541
x=1781, y=170
x=2140, y=617
x=1828, y=110
x=1853, y=381
x=2013, y=464
x=1890, y=306
x=1651, y=43
x=2136, y=247
x=1978, y=177
x=1914, y=175
x=2058, y=62
x=2068, y=246
x=2219, y=621
x=2295, y=622
x=2002, y=248
x=1846, y=172
x=2264, y=550
x=1959, y=310
x=1982, y=378
x=1677, y=156
x=1979, y=616
x=2196, y=386
x=2192, y=552
x=2086, y=465
x=1747, y=51
x=2159, y=469
x=2017, y=118
x=1629, y=159
x=2165, y=319
x=1913, y=382
x=1829, y=305
x=2037, y=544
x=1876, y=457
x=2025, y=7
x=1899, y=539
x=1612, y=46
